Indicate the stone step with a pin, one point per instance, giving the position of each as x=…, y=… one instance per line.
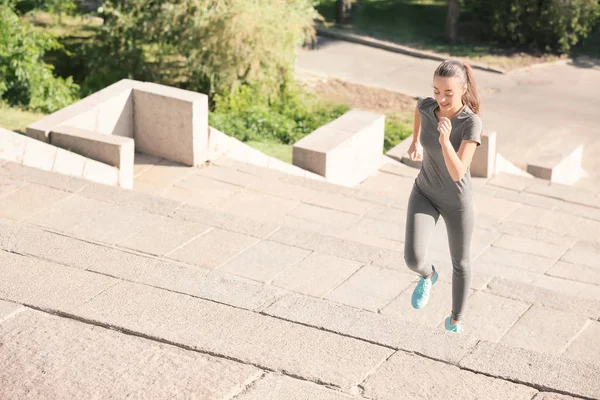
x=365, y=276
x=316, y=340
x=563, y=325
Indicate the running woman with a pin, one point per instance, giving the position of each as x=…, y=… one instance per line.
x=447, y=130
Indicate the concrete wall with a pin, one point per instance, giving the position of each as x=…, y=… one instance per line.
x=111, y=117
x=345, y=151
x=37, y=154
x=116, y=151
x=171, y=123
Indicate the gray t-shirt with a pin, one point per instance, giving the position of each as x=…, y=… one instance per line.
x=434, y=180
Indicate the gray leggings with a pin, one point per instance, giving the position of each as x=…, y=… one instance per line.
x=422, y=217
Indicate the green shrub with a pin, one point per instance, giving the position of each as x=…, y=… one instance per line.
x=25, y=79
x=547, y=25
x=248, y=114
x=395, y=132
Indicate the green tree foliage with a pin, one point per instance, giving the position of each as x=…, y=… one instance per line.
x=218, y=44
x=546, y=25
x=25, y=79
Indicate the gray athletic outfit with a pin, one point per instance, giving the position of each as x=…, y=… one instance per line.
x=435, y=193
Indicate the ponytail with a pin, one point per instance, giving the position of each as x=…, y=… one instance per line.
x=471, y=97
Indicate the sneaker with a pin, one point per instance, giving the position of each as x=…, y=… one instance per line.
x=420, y=296
x=452, y=327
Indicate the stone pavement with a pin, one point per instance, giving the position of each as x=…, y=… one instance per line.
x=531, y=109
x=246, y=283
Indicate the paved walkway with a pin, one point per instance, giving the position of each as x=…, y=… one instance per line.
x=247, y=283
x=530, y=109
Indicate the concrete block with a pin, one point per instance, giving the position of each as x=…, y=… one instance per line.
x=484, y=160
x=98, y=172
x=55, y=348
x=171, y=123
x=41, y=129
x=345, y=151
x=559, y=163
x=116, y=151
x=39, y=155
x=68, y=163
x=12, y=146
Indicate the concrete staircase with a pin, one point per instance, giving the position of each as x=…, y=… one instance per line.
x=234, y=281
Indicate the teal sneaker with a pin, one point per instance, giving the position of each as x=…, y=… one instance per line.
x=420, y=295
x=452, y=327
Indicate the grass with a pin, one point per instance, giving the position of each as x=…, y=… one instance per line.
x=280, y=151
x=16, y=119
x=420, y=24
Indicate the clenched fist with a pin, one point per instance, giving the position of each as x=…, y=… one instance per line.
x=444, y=128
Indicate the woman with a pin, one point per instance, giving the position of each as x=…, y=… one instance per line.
x=447, y=131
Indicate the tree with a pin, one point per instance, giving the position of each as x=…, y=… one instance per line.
x=452, y=19
x=342, y=11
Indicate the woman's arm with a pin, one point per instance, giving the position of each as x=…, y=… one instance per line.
x=415, y=151
x=416, y=126
x=458, y=163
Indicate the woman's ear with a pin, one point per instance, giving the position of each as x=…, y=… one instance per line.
x=464, y=89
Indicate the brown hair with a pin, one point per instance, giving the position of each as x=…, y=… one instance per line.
x=464, y=72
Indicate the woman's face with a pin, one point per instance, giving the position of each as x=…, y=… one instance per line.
x=448, y=92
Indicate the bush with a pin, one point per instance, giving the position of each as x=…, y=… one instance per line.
x=25, y=80
x=548, y=25
x=248, y=114
x=217, y=46
x=395, y=132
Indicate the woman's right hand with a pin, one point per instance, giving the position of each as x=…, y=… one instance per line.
x=415, y=151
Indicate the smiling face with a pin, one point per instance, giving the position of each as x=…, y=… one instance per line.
x=448, y=92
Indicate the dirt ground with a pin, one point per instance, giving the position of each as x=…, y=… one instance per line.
x=359, y=96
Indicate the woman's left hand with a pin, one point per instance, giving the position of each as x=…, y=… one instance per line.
x=444, y=128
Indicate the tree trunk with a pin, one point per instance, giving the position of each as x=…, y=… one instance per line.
x=342, y=11
x=452, y=19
